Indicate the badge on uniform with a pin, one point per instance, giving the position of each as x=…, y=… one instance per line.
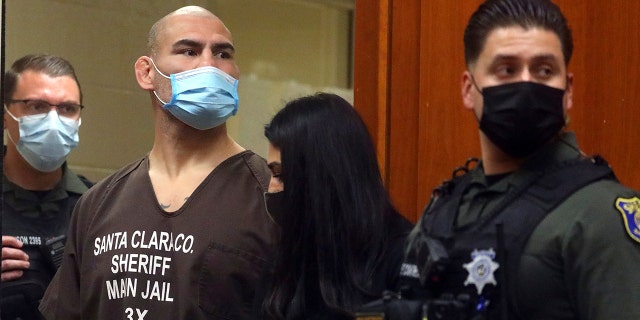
x=481, y=269
x=630, y=210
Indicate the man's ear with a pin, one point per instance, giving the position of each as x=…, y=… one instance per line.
x=466, y=89
x=568, y=95
x=143, y=73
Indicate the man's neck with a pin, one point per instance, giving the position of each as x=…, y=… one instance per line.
x=179, y=149
x=182, y=158
x=495, y=161
x=20, y=172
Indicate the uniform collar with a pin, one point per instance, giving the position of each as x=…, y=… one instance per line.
x=69, y=182
x=28, y=202
x=563, y=148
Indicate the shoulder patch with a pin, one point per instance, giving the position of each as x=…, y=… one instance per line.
x=630, y=210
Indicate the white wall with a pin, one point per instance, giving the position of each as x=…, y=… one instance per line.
x=285, y=49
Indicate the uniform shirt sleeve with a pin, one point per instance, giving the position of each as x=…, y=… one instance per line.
x=580, y=261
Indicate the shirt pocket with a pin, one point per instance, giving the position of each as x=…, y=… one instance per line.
x=228, y=281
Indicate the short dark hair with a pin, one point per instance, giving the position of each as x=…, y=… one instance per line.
x=50, y=65
x=494, y=14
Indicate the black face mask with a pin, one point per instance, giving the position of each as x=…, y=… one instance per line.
x=521, y=117
x=274, y=203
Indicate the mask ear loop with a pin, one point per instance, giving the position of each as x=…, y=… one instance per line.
x=566, y=123
x=155, y=67
x=475, y=85
x=158, y=97
x=567, y=119
x=11, y=114
x=6, y=110
x=162, y=74
x=473, y=81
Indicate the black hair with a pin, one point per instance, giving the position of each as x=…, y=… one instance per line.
x=50, y=65
x=494, y=14
x=332, y=235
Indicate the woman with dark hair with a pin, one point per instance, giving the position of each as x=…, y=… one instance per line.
x=341, y=240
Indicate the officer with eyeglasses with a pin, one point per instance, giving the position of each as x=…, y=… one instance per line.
x=42, y=114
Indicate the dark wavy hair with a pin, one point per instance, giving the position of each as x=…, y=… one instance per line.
x=528, y=14
x=332, y=235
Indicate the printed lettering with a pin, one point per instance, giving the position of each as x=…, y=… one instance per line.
x=162, y=241
x=118, y=289
x=30, y=240
x=157, y=291
x=140, y=263
x=129, y=313
x=112, y=241
x=139, y=312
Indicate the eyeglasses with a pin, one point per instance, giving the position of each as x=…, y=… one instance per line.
x=36, y=107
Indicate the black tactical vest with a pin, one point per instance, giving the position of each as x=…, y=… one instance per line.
x=503, y=233
x=43, y=240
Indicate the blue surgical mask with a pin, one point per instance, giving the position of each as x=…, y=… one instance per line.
x=203, y=98
x=46, y=139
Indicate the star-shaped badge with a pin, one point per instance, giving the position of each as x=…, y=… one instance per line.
x=481, y=269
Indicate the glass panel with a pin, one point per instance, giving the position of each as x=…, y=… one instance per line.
x=285, y=48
